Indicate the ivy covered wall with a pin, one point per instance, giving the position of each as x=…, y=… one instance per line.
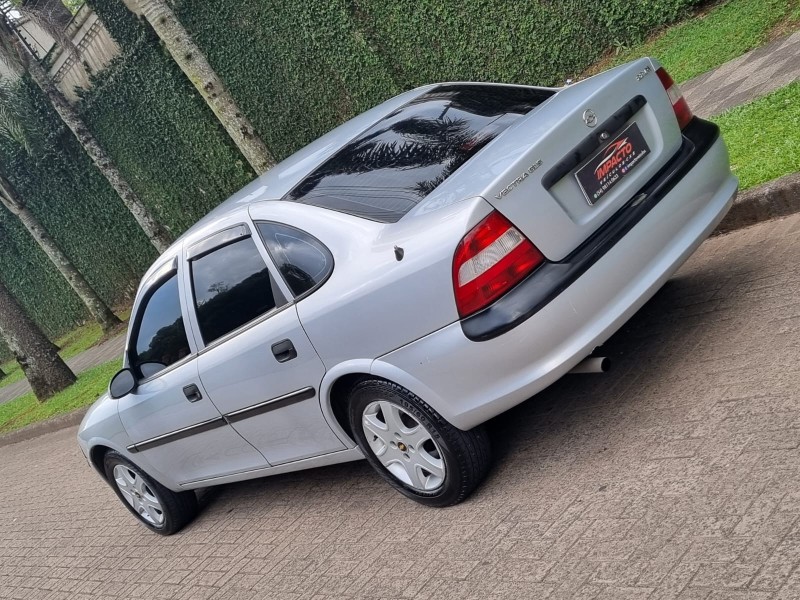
x=297, y=69
x=300, y=68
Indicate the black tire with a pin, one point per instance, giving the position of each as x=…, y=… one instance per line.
x=178, y=508
x=466, y=454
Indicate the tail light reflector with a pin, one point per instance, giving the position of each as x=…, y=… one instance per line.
x=682, y=111
x=491, y=259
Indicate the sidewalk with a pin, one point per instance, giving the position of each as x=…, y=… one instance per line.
x=745, y=78
x=92, y=357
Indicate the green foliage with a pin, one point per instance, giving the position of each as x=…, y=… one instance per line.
x=163, y=137
x=297, y=70
x=763, y=137
x=26, y=410
x=730, y=29
x=71, y=344
x=81, y=212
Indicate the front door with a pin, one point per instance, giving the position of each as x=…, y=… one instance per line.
x=169, y=417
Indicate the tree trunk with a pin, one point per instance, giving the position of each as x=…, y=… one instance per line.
x=2, y=373
x=195, y=65
x=98, y=309
x=155, y=231
x=36, y=355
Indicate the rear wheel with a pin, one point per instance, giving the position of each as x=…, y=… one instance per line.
x=159, y=509
x=413, y=447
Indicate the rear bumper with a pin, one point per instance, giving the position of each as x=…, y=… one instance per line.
x=551, y=278
x=469, y=382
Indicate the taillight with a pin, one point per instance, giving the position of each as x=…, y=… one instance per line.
x=491, y=259
x=679, y=104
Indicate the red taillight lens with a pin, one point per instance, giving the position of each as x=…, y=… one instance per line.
x=489, y=261
x=679, y=105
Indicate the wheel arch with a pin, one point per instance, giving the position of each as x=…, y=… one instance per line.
x=97, y=455
x=337, y=383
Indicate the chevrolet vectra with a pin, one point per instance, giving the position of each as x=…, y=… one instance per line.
x=415, y=272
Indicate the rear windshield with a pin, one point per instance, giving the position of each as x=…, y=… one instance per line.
x=385, y=171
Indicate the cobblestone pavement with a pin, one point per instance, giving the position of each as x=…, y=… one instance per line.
x=677, y=475
x=745, y=78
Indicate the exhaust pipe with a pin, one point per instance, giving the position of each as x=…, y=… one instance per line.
x=593, y=364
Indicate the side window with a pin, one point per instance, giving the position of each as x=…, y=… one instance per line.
x=232, y=286
x=303, y=261
x=161, y=336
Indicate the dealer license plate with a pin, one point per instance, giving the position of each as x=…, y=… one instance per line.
x=607, y=168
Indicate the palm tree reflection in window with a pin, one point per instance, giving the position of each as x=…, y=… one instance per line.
x=388, y=169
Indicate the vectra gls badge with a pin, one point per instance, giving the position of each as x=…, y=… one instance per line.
x=589, y=117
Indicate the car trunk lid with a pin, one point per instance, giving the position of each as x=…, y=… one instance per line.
x=580, y=157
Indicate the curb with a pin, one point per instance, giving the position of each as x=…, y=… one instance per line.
x=34, y=430
x=771, y=200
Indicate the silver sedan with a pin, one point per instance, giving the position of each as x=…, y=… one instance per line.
x=395, y=284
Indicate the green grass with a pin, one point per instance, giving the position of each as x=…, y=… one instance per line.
x=71, y=344
x=763, y=137
x=26, y=409
x=707, y=40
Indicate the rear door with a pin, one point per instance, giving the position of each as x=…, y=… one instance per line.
x=582, y=156
x=257, y=364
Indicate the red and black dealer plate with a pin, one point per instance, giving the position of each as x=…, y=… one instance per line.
x=607, y=168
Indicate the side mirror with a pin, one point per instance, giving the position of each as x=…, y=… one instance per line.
x=122, y=384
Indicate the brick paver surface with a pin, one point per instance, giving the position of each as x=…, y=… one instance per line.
x=677, y=475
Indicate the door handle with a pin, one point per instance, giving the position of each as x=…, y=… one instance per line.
x=284, y=351
x=192, y=393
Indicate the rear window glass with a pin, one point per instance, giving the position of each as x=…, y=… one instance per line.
x=389, y=168
x=302, y=260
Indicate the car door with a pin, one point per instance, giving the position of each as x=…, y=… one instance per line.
x=257, y=364
x=169, y=415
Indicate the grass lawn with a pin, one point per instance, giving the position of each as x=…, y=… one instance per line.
x=763, y=136
x=713, y=37
x=26, y=409
x=71, y=344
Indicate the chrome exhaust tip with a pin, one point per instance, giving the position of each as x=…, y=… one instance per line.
x=593, y=364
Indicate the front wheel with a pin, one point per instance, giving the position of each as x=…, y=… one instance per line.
x=159, y=509
x=413, y=448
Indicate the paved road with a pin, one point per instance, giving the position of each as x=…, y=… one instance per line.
x=677, y=475
x=92, y=357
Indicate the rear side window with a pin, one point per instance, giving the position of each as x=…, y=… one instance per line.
x=303, y=261
x=161, y=336
x=232, y=286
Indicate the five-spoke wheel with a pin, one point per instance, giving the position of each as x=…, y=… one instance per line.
x=157, y=508
x=413, y=447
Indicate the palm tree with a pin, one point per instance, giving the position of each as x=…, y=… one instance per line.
x=38, y=357
x=196, y=67
x=15, y=126
x=16, y=54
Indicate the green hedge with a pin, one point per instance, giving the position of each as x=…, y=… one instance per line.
x=297, y=69
x=79, y=210
x=300, y=68
x=159, y=130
